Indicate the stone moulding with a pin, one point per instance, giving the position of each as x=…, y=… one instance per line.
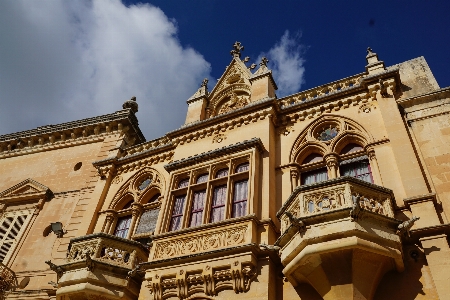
x=70, y=134
x=191, y=160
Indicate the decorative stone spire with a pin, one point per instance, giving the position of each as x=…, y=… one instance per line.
x=131, y=104
x=262, y=66
x=202, y=91
x=237, y=48
x=374, y=65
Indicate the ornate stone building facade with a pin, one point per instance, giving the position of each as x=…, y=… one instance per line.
x=337, y=192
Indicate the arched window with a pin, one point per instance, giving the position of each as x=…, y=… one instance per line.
x=349, y=148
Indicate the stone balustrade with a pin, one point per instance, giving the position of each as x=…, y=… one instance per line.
x=336, y=194
x=323, y=90
x=107, y=248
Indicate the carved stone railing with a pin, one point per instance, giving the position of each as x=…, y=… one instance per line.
x=107, y=248
x=342, y=224
x=322, y=90
x=335, y=194
x=8, y=279
x=204, y=238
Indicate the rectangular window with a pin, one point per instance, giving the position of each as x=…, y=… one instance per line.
x=358, y=169
x=198, y=205
x=218, y=203
x=10, y=231
x=177, y=213
x=240, y=199
x=314, y=176
x=123, y=226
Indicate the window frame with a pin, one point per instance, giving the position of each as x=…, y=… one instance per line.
x=212, y=168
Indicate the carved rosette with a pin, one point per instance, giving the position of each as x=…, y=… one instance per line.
x=198, y=243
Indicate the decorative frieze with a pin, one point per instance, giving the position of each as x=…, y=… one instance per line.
x=335, y=194
x=210, y=281
x=199, y=242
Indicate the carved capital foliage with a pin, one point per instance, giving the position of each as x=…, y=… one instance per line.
x=209, y=281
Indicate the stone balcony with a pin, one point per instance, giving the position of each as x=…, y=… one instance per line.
x=205, y=260
x=340, y=237
x=100, y=265
x=8, y=280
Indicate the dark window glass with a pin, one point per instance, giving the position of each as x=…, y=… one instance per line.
x=122, y=227
x=202, y=178
x=144, y=184
x=154, y=198
x=198, y=205
x=313, y=157
x=218, y=203
x=351, y=148
x=222, y=173
x=314, y=176
x=358, y=169
x=183, y=183
x=177, y=213
x=240, y=199
x=242, y=167
x=328, y=134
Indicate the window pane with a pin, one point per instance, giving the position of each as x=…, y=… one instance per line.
x=202, y=178
x=177, y=213
x=242, y=167
x=240, y=199
x=197, y=208
x=218, y=203
x=358, y=169
x=314, y=176
x=183, y=183
x=222, y=173
x=122, y=227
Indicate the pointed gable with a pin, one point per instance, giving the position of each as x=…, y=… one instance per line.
x=27, y=189
x=233, y=89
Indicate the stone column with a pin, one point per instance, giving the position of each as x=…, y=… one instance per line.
x=332, y=165
x=294, y=178
x=136, y=211
x=374, y=166
x=437, y=252
x=111, y=216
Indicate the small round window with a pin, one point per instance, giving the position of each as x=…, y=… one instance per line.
x=328, y=133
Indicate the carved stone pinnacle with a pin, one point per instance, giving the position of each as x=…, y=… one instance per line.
x=369, y=50
x=237, y=48
x=264, y=61
x=205, y=82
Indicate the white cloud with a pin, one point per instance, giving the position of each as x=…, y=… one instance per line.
x=66, y=60
x=286, y=61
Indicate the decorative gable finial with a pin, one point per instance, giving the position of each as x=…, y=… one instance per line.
x=369, y=51
x=237, y=48
x=264, y=61
x=131, y=104
x=205, y=82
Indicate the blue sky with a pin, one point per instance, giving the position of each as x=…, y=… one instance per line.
x=67, y=60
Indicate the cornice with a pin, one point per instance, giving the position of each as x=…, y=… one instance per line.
x=191, y=160
x=71, y=134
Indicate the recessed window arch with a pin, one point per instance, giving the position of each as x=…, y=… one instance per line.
x=313, y=157
x=351, y=147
